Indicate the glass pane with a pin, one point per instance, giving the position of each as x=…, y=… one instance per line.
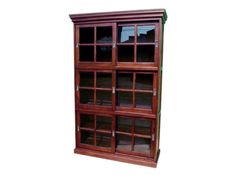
x=142, y=127
x=145, y=53
x=103, y=123
x=126, y=34
x=124, y=99
x=103, y=140
x=86, y=53
x=126, y=53
x=103, y=98
x=87, y=137
x=104, y=34
x=86, y=35
x=104, y=54
x=86, y=79
x=146, y=33
x=86, y=96
x=143, y=100
x=123, y=142
x=104, y=80
x=142, y=145
x=125, y=80
x=144, y=81
x=124, y=124
x=86, y=120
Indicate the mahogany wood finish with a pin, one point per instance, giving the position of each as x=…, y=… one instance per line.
x=118, y=72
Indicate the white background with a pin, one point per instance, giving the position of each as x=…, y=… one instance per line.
x=36, y=90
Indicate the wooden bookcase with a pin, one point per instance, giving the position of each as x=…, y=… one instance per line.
x=118, y=72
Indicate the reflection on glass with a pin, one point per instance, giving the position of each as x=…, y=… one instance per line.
x=86, y=120
x=124, y=124
x=104, y=54
x=124, y=99
x=87, y=137
x=103, y=98
x=142, y=145
x=86, y=96
x=104, y=80
x=103, y=123
x=86, y=53
x=144, y=81
x=103, y=140
x=126, y=53
x=145, y=53
x=86, y=35
x=142, y=127
x=143, y=100
x=86, y=79
x=104, y=34
x=125, y=80
x=146, y=33
x=126, y=34
x=123, y=142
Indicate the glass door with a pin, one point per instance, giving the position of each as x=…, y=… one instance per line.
x=134, y=135
x=94, y=44
x=95, y=131
x=136, y=90
x=85, y=44
x=130, y=135
x=104, y=88
x=124, y=43
x=94, y=88
x=136, y=43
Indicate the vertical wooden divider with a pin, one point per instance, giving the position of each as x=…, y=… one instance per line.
x=95, y=128
x=114, y=61
x=94, y=42
x=157, y=41
x=94, y=88
x=159, y=78
x=133, y=88
x=76, y=84
x=155, y=89
x=113, y=137
x=113, y=108
x=76, y=47
x=135, y=43
x=153, y=145
x=132, y=149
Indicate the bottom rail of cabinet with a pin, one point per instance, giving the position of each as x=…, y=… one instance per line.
x=119, y=157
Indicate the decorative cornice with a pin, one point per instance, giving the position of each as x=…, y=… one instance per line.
x=150, y=14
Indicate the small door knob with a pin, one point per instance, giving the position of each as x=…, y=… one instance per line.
x=113, y=90
x=153, y=137
x=154, y=92
x=113, y=45
x=156, y=43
